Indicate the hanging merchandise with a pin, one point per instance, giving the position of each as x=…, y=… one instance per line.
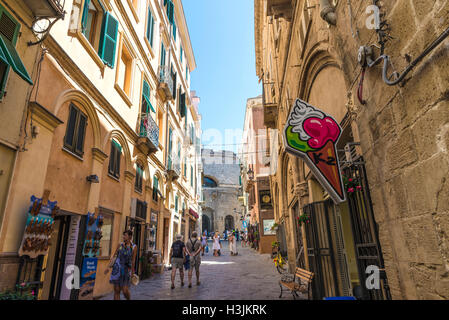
x=39, y=227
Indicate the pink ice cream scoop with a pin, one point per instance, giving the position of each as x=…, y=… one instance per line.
x=321, y=131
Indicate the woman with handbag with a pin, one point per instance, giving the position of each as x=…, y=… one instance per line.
x=123, y=266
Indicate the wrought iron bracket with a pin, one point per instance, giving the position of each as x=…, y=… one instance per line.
x=45, y=32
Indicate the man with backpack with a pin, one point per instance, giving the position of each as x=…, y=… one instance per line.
x=193, y=248
x=177, y=259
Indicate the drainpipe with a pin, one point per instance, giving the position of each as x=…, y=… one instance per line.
x=328, y=12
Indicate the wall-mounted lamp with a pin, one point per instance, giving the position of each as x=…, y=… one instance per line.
x=250, y=174
x=93, y=178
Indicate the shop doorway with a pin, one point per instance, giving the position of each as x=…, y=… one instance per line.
x=206, y=224
x=138, y=228
x=320, y=250
x=365, y=232
x=165, y=244
x=229, y=223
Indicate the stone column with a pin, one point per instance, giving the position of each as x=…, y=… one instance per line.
x=126, y=209
x=98, y=157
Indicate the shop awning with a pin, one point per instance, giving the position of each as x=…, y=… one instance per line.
x=193, y=213
x=9, y=56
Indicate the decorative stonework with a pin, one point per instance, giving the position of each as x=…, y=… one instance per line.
x=129, y=176
x=99, y=155
x=44, y=117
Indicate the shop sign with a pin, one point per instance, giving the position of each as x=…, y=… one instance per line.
x=91, y=246
x=87, y=282
x=267, y=227
x=38, y=228
x=265, y=199
x=313, y=135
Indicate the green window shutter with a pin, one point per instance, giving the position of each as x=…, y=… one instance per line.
x=150, y=27
x=171, y=11
x=108, y=40
x=155, y=183
x=146, y=95
x=187, y=74
x=170, y=142
x=183, y=104
x=174, y=29
x=117, y=162
x=11, y=55
x=82, y=124
x=162, y=55
x=85, y=15
x=71, y=123
x=112, y=159
x=181, y=53
x=176, y=203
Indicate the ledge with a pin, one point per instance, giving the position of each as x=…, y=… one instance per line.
x=99, y=155
x=123, y=95
x=44, y=117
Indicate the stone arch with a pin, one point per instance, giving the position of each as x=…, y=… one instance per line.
x=117, y=134
x=83, y=101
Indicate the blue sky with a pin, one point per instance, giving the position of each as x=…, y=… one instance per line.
x=222, y=36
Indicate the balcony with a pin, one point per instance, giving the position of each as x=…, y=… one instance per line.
x=148, y=140
x=165, y=87
x=46, y=8
x=173, y=167
x=280, y=8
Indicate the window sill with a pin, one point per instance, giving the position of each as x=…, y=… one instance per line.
x=113, y=177
x=149, y=47
x=123, y=95
x=90, y=50
x=72, y=153
x=138, y=191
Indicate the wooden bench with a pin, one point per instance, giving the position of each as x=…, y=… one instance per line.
x=302, y=281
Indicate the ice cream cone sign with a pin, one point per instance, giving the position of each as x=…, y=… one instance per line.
x=313, y=135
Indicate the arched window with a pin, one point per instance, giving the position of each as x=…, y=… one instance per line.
x=209, y=183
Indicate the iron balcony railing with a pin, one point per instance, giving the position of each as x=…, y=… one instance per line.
x=174, y=164
x=149, y=129
x=46, y=8
x=166, y=77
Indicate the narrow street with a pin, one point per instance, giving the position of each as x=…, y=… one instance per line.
x=247, y=276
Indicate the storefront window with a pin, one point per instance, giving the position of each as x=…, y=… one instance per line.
x=105, y=242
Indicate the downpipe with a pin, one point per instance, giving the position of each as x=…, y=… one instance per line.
x=328, y=12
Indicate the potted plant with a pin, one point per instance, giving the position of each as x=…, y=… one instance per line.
x=304, y=218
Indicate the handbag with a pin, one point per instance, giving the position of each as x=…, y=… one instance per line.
x=115, y=275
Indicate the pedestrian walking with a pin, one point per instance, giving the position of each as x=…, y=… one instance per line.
x=203, y=243
x=177, y=259
x=193, y=249
x=237, y=235
x=232, y=244
x=216, y=244
x=122, y=264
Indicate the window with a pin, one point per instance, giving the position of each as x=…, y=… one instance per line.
x=100, y=29
x=181, y=54
x=91, y=22
x=191, y=176
x=106, y=232
x=162, y=55
x=176, y=203
x=141, y=209
x=9, y=58
x=174, y=30
x=187, y=74
x=150, y=27
x=139, y=178
x=185, y=167
x=124, y=71
x=209, y=183
x=114, y=159
x=75, y=131
x=155, y=188
x=173, y=75
x=146, y=104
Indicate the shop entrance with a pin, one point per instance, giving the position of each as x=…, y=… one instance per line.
x=166, y=233
x=365, y=231
x=320, y=250
x=138, y=228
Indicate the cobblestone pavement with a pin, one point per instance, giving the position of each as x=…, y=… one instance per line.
x=247, y=276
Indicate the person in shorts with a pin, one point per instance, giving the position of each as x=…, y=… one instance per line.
x=193, y=248
x=177, y=259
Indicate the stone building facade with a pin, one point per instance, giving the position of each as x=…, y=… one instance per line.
x=394, y=142
x=221, y=208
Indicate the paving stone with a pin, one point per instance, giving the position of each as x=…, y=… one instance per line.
x=247, y=276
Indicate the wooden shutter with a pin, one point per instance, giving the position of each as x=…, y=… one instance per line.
x=112, y=159
x=150, y=27
x=183, y=104
x=146, y=96
x=70, y=129
x=117, y=164
x=162, y=55
x=108, y=40
x=81, y=133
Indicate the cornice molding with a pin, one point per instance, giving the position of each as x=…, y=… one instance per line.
x=129, y=176
x=44, y=117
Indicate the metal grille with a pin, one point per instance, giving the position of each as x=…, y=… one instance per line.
x=365, y=232
x=320, y=251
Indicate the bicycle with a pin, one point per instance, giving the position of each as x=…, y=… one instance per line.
x=280, y=262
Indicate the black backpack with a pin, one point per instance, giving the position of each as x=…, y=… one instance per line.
x=177, y=249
